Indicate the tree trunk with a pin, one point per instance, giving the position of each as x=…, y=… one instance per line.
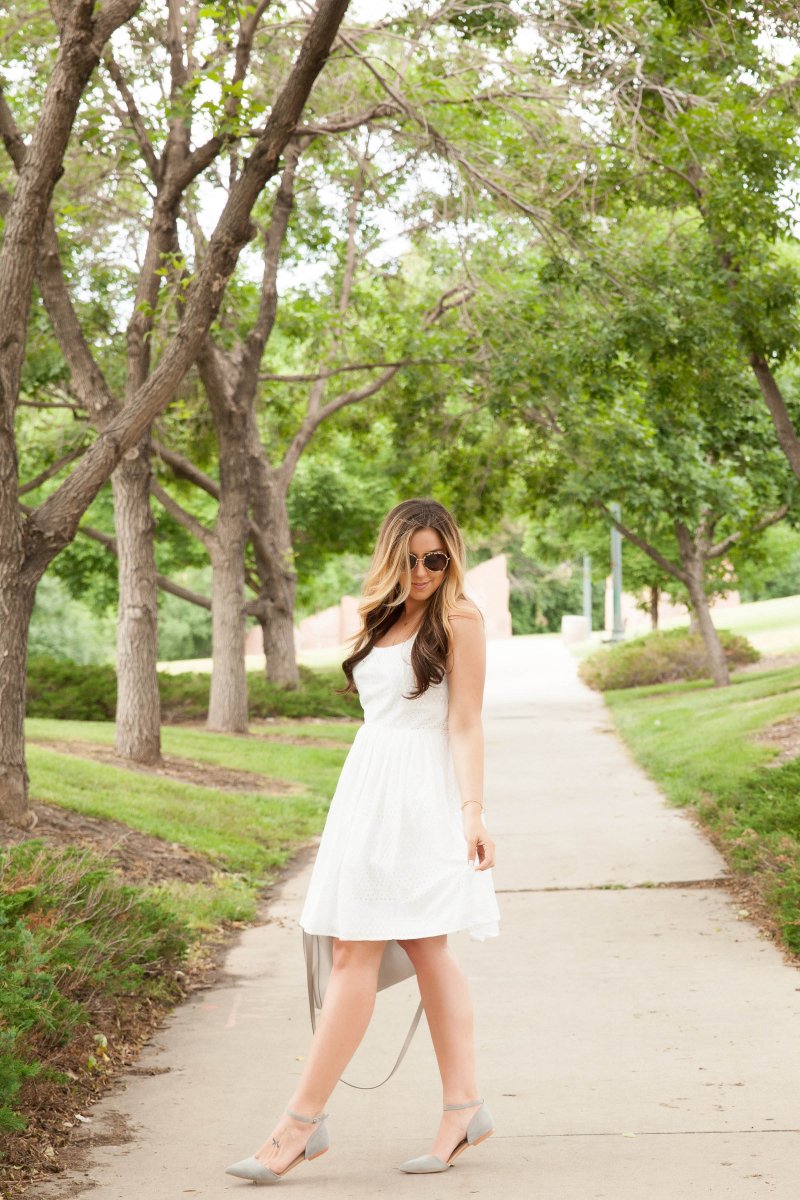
x=694, y=567
x=138, y=733
x=16, y=606
x=655, y=595
x=227, y=708
x=278, y=591
x=279, y=642
x=275, y=562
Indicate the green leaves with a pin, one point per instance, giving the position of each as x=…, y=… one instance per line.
x=640, y=394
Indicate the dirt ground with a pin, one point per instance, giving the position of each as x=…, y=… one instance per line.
x=786, y=736
x=185, y=770
x=770, y=662
x=139, y=857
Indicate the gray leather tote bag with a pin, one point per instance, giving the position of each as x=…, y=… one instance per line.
x=395, y=967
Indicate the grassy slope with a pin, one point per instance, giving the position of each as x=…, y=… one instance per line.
x=773, y=626
x=245, y=834
x=697, y=742
x=693, y=737
x=70, y=928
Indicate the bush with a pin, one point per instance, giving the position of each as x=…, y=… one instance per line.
x=661, y=657
x=185, y=697
x=67, y=691
x=73, y=939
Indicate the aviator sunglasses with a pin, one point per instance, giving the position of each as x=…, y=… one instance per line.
x=434, y=560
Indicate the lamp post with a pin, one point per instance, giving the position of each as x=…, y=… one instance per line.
x=587, y=591
x=618, y=631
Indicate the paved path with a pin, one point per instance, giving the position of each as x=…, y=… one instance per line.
x=633, y=1042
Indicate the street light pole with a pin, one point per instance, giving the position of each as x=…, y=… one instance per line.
x=618, y=632
x=587, y=591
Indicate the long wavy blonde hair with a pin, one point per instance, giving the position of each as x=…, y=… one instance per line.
x=388, y=583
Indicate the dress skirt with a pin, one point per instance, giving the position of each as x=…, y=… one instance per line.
x=392, y=860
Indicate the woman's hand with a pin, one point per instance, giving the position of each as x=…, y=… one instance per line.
x=479, y=843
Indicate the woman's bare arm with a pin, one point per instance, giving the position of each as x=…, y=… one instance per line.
x=466, y=676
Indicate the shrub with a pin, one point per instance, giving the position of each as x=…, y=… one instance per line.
x=68, y=691
x=661, y=657
x=73, y=939
x=185, y=697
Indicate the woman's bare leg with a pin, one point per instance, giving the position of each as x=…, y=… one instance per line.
x=448, y=1011
x=341, y=1024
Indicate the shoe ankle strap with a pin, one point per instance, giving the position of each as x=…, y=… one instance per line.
x=306, y=1120
x=469, y=1104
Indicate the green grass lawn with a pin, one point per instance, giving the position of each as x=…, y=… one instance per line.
x=773, y=626
x=310, y=765
x=245, y=834
x=695, y=738
x=698, y=743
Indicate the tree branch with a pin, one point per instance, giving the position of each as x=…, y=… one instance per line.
x=665, y=564
x=179, y=513
x=183, y=468
x=350, y=258
x=446, y=148
x=12, y=139
x=50, y=471
x=787, y=434
x=268, y=304
x=54, y=523
x=264, y=377
x=345, y=123
x=137, y=123
x=722, y=547
x=87, y=378
x=164, y=582
x=315, y=414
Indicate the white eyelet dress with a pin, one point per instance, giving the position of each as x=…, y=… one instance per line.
x=392, y=861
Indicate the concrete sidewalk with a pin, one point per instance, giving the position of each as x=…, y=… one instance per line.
x=633, y=1042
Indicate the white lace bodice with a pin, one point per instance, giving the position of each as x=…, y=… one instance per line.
x=384, y=678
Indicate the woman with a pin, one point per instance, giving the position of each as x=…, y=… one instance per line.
x=405, y=853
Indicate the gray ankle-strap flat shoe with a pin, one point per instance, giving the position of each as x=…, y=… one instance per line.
x=318, y=1143
x=480, y=1127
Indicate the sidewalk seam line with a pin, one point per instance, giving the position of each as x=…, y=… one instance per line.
x=721, y=881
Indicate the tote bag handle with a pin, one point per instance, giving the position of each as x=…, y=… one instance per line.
x=395, y=966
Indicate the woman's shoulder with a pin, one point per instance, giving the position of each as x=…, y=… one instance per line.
x=466, y=622
x=467, y=612
x=467, y=638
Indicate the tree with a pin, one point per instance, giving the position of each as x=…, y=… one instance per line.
x=28, y=542
x=447, y=80
x=690, y=111
x=644, y=400
x=358, y=331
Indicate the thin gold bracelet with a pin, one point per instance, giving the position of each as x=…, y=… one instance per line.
x=466, y=802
